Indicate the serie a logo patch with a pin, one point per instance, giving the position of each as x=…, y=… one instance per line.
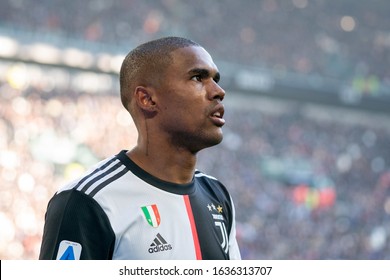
x=69, y=250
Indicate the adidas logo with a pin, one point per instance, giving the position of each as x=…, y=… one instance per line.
x=159, y=244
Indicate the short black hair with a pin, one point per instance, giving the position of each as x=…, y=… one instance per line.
x=146, y=61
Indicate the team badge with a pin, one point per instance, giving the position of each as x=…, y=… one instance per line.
x=152, y=215
x=219, y=222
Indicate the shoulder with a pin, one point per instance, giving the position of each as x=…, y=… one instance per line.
x=72, y=201
x=97, y=177
x=82, y=193
x=213, y=184
x=200, y=174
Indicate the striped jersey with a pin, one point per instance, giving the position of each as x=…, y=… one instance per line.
x=119, y=211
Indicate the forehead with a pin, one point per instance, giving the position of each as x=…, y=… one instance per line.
x=192, y=57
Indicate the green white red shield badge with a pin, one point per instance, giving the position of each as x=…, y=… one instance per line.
x=152, y=215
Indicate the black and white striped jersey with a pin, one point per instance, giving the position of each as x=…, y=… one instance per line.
x=119, y=211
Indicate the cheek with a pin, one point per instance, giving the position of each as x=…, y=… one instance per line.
x=185, y=117
x=183, y=106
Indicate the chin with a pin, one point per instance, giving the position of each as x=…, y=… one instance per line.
x=215, y=140
x=201, y=140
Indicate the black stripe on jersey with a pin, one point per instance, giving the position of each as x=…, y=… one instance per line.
x=97, y=178
x=100, y=168
x=108, y=181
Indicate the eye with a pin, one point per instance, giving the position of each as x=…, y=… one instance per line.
x=197, y=78
x=217, y=78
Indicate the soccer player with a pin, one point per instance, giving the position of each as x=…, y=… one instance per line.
x=151, y=202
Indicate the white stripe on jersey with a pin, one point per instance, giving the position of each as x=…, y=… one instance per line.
x=105, y=178
x=200, y=174
x=97, y=172
x=93, y=173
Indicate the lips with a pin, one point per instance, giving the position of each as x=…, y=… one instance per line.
x=217, y=115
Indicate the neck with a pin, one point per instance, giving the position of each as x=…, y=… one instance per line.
x=171, y=165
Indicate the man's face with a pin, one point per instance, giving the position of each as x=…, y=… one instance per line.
x=191, y=112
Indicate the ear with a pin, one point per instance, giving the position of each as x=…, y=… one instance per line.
x=146, y=100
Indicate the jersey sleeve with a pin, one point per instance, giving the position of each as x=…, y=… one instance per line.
x=234, y=251
x=76, y=227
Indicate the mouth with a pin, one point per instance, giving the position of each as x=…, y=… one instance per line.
x=217, y=115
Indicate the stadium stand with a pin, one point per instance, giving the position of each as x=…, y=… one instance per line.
x=311, y=180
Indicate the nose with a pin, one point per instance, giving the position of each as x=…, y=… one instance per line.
x=216, y=91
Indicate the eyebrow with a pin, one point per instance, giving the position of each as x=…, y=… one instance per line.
x=204, y=73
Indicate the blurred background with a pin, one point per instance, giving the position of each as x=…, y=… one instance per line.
x=306, y=152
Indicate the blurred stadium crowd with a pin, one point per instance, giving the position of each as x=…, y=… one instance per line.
x=305, y=187
x=347, y=39
x=308, y=182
